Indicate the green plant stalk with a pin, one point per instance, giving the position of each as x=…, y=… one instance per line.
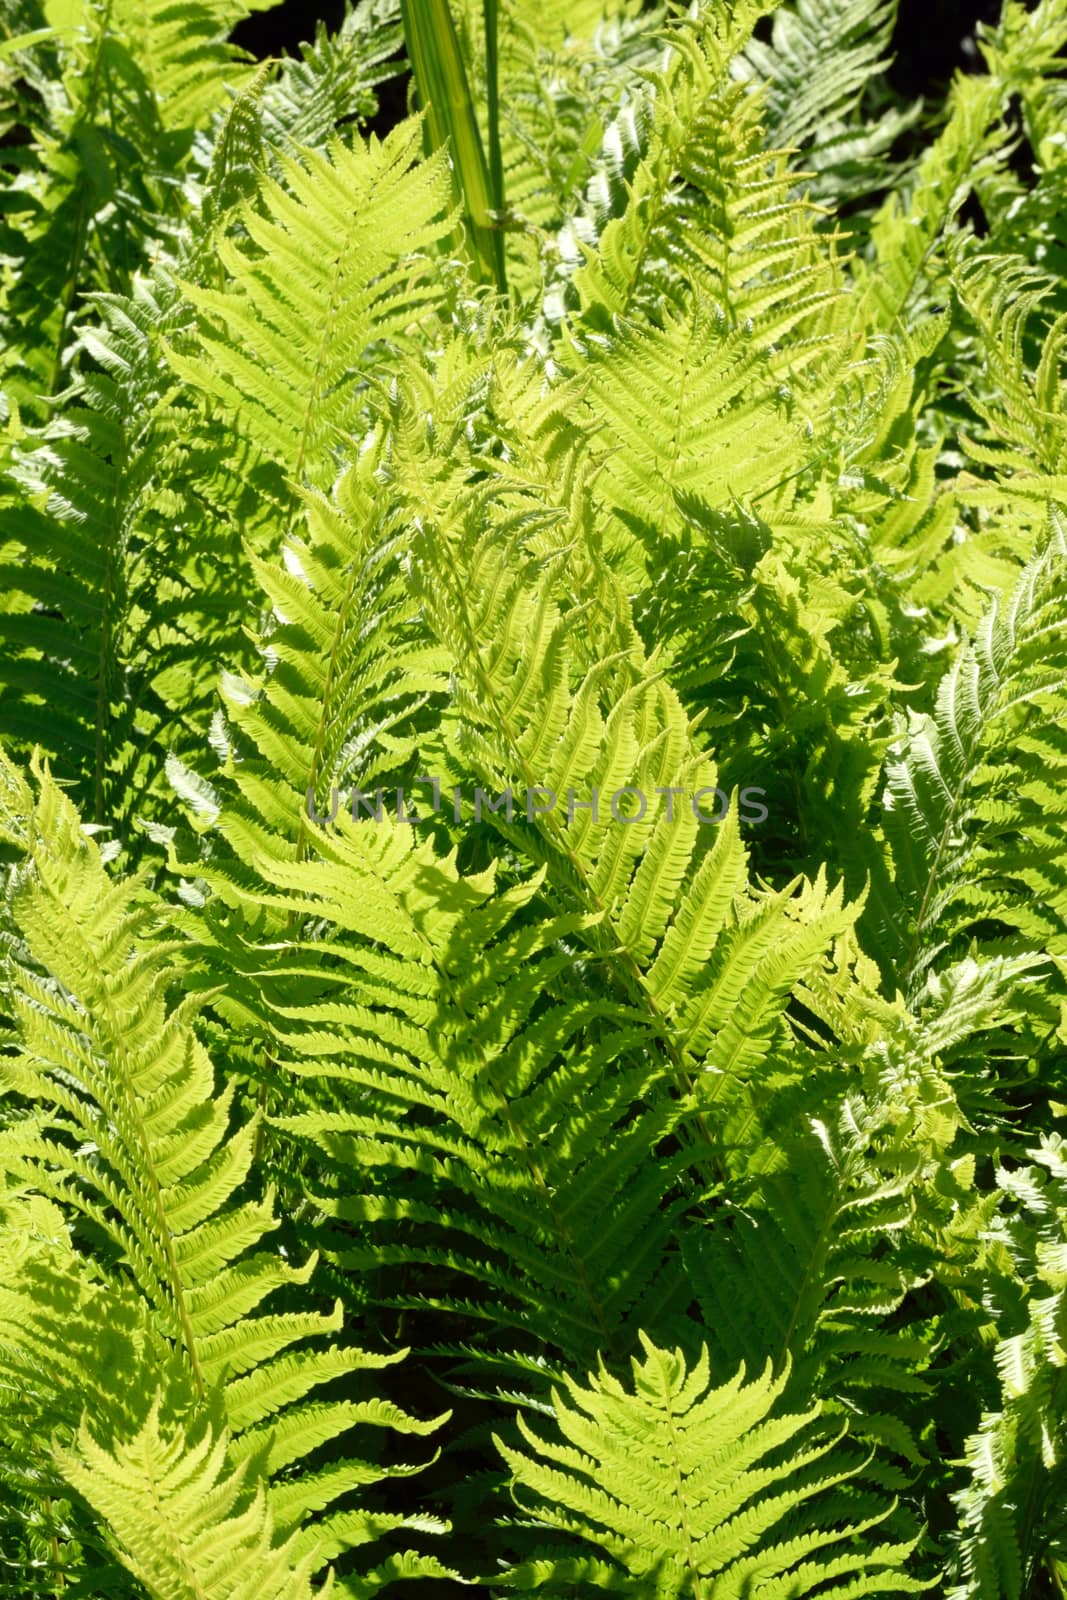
x=445, y=96
x=490, y=14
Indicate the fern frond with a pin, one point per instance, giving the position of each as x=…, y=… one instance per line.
x=708, y=204
x=112, y=615
x=349, y=681
x=692, y=409
x=972, y=812
x=335, y=77
x=1027, y=422
x=1011, y=1522
x=132, y=1138
x=64, y=1333
x=285, y=372
x=177, y=1516
x=190, y=64
x=135, y=82
x=818, y=1243
x=907, y=269
x=531, y=716
x=692, y=1490
x=65, y=1330
x=71, y=618
x=821, y=58
x=453, y=1060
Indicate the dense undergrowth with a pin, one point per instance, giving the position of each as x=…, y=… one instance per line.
x=535, y=768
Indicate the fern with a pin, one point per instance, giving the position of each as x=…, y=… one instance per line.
x=829, y=1224
x=695, y=1517
x=335, y=77
x=464, y=1037
x=531, y=823
x=1010, y=1510
x=176, y=1517
x=815, y=98
x=733, y=221
x=99, y=196
x=132, y=1139
x=964, y=849
x=362, y=284
x=104, y=553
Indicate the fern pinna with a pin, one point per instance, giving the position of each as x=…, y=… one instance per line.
x=532, y=805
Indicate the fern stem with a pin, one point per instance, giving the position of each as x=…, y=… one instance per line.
x=687, y=1533
x=445, y=96
x=60, y=1582
x=492, y=79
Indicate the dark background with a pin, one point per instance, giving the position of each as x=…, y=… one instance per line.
x=932, y=39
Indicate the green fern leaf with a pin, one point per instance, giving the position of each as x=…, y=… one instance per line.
x=694, y=1490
